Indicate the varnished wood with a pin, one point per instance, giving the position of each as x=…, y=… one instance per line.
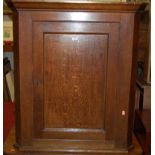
x=16, y=76
x=142, y=129
x=144, y=52
x=76, y=76
x=9, y=148
x=71, y=78
x=147, y=62
x=80, y=5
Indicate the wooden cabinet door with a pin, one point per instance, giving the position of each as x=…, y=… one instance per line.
x=72, y=67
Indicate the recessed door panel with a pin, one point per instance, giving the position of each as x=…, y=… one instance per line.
x=74, y=80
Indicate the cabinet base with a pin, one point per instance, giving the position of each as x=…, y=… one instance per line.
x=9, y=149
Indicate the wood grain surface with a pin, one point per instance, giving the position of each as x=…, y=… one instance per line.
x=9, y=148
x=76, y=77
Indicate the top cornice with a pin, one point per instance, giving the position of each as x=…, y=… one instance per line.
x=103, y=5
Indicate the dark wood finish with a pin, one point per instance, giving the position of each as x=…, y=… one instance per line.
x=16, y=76
x=80, y=5
x=144, y=51
x=147, y=62
x=79, y=85
x=143, y=129
x=143, y=32
x=145, y=117
x=75, y=66
x=9, y=148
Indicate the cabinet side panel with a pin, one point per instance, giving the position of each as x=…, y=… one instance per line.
x=124, y=78
x=133, y=76
x=24, y=61
x=16, y=76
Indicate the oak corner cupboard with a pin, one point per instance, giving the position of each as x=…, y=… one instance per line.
x=75, y=64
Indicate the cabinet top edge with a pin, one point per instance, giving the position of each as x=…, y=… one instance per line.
x=104, y=5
